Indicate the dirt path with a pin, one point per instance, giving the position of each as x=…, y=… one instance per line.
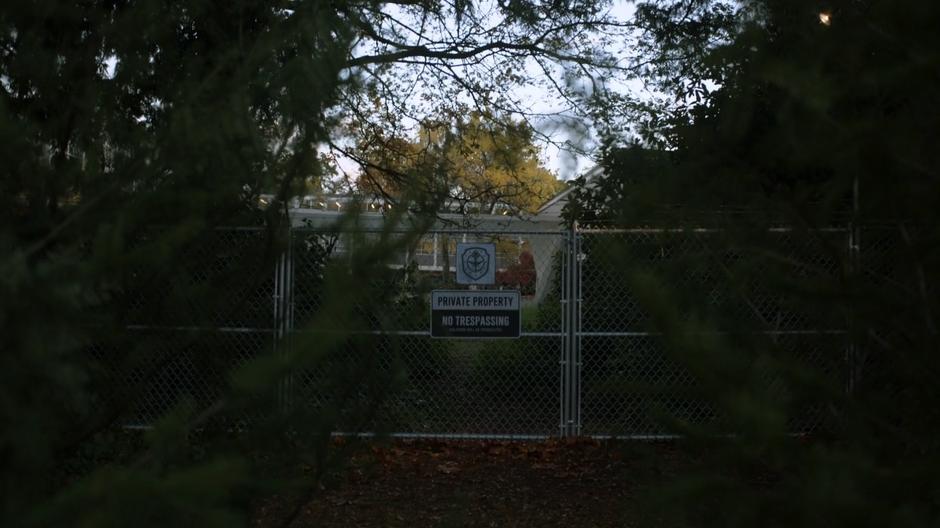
x=552, y=483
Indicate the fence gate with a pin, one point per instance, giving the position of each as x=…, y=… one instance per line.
x=455, y=388
x=587, y=363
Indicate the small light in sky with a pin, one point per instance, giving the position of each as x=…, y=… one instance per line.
x=825, y=18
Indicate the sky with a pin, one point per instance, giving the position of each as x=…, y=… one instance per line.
x=566, y=164
x=542, y=99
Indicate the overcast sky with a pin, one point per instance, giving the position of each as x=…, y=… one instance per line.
x=543, y=99
x=566, y=164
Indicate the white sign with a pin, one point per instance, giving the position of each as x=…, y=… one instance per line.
x=475, y=314
x=476, y=263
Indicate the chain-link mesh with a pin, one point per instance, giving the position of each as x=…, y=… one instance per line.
x=443, y=387
x=897, y=268
x=641, y=289
x=189, y=322
x=225, y=301
x=193, y=367
x=440, y=388
x=220, y=279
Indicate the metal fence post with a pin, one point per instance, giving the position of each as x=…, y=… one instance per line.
x=571, y=325
x=566, y=337
x=276, y=314
x=283, y=313
x=576, y=333
x=289, y=312
x=852, y=352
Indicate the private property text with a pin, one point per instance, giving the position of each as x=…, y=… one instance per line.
x=459, y=301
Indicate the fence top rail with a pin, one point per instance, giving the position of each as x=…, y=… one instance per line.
x=679, y=230
x=468, y=231
x=240, y=228
x=534, y=232
x=203, y=329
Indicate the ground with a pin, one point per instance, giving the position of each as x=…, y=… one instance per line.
x=471, y=483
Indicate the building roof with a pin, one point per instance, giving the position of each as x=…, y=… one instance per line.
x=326, y=210
x=556, y=204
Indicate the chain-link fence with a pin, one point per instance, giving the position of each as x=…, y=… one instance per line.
x=596, y=354
x=448, y=387
x=716, y=293
x=191, y=313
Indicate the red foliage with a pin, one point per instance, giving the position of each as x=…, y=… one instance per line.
x=520, y=275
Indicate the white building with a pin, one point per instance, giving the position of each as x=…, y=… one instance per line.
x=541, y=234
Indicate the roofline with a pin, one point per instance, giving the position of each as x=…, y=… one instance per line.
x=588, y=175
x=554, y=199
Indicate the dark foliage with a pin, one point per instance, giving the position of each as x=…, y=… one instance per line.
x=799, y=173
